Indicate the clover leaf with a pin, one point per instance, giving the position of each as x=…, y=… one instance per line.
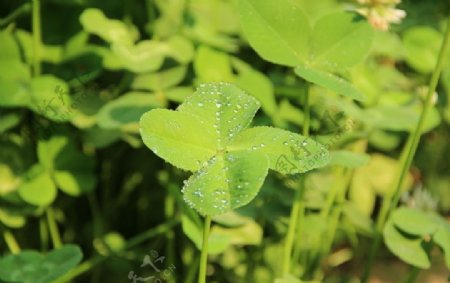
x=30, y=266
x=280, y=32
x=208, y=135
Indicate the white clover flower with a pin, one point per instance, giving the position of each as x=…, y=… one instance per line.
x=381, y=13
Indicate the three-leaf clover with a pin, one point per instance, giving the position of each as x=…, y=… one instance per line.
x=208, y=135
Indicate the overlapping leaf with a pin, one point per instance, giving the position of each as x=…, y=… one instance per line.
x=208, y=134
x=33, y=267
x=281, y=33
x=410, y=232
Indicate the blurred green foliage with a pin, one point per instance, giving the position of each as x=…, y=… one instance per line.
x=71, y=156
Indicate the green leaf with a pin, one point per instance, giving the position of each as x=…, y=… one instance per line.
x=256, y=84
x=422, y=46
x=39, y=188
x=409, y=249
x=14, y=162
x=226, y=182
x=328, y=80
x=13, y=94
x=339, y=41
x=224, y=109
x=112, y=31
x=11, y=219
x=278, y=31
x=201, y=134
x=288, y=153
x=9, y=49
x=413, y=221
x=160, y=80
x=442, y=238
x=180, y=49
x=149, y=55
x=125, y=111
x=216, y=243
x=212, y=65
x=13, y=69
x=50, y=98
x=349, y=159
x=9, y=120
x=146, y=56
x=71, y=170
x=33, y=267
x=248, y=233
x=179, y=138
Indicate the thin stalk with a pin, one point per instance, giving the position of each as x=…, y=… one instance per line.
x=11, y=242
x=22, y=9
x=192, y=271
x=37, y=38
x=412, y=277
x=169, y=213
x=204, y=254
x=298, y=207
x=411, y=147
x=43, y=232
x=53, y=228
x=94, y=261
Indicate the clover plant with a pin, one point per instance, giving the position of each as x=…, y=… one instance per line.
x=209, y=135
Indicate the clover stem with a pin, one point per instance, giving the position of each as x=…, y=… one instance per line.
x=23, y=9
x=43, y=233
x=133, y=242
x=37, y=38
x=412, y=275
x=389, y=203
x=11, y=242
x=53, y=228
x=170, y=213
x=298, y=207
x=204, y=254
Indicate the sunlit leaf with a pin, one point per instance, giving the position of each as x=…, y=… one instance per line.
x=288, y=153
x=113, y=31
x=278, y=31
x=415, y=222
x=125, y=111
x=207, y=132
x=226, y=182
x=38, y=188
x=408, y=248
x=328, y=80
x=339, y=41
x=177, y=137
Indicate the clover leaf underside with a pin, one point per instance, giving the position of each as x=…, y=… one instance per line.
x=208, y=134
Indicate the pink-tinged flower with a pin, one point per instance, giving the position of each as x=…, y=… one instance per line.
x=381, y=13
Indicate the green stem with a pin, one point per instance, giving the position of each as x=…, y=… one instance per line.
x=11, y=242
x=390, y=203
x=43, y=232
x=23, y=9
x=53, y=228
x=37, y=38
x=139, y=239
x=169, y=213
x=412, y=275
x=204, y=254
x=292, y=228
x=297, y=210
